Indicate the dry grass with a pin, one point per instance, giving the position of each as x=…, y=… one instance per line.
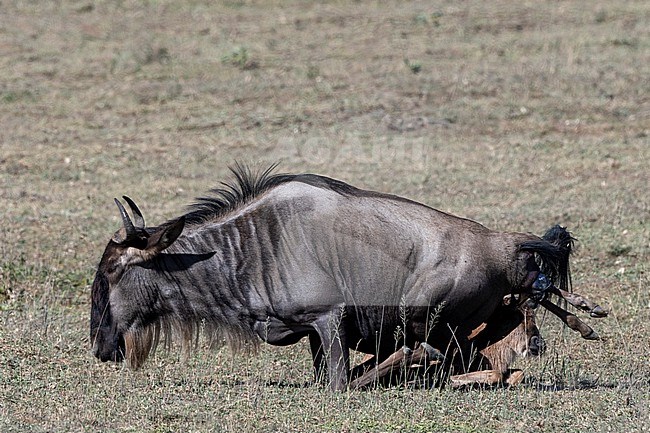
x=518, y=115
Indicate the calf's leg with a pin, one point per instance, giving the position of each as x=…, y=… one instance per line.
x=571, y=320
x=482, y=377
x=423, y=355
x=396, y=360
x=580, y=302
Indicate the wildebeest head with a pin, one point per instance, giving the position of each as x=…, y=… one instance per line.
x=114, y=307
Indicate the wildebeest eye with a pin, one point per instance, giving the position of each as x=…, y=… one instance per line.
x=112, y=266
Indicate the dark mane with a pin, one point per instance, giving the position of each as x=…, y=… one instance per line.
x=230, y=195
x=248, y=184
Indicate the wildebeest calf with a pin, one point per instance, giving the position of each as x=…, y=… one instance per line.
x=511, y=332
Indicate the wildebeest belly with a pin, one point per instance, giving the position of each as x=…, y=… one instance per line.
x=278, y=333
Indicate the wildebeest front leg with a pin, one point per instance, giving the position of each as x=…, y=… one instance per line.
x=331, y=331
x=318, y=357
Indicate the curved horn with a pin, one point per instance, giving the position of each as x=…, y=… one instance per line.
x=137, y=215
x=126, y=220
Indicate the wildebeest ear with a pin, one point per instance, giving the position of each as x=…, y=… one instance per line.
x=166, y=236
x=157, y=242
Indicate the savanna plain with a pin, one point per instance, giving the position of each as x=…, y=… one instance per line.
x=519, y=115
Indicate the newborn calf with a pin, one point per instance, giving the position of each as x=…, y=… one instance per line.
x=510, y=332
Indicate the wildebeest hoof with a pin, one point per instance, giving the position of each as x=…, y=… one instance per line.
x=598, y=311
x=433, y=353
x=515, y=377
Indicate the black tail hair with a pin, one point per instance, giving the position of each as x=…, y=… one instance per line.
x=553, y=251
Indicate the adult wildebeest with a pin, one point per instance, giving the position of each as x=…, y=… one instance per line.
x=280, y=257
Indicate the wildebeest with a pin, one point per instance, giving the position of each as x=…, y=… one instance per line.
x=278, y=257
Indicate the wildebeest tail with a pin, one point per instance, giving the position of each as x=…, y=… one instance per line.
x=553, y=251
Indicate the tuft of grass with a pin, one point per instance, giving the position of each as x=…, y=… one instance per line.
x=11, y=96
x=18, y=278
x=619, y=250
x=625, y=42
x=428, y=19
x=313, y=72
x=413, y=65
x=240, y=58
x=133, y=60
x=601, y=16
x=15, y=274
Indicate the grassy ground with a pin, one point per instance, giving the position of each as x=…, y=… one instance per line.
x=517, y=114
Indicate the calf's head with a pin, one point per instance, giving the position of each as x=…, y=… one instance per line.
x=526, y=339
x=510, y=332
